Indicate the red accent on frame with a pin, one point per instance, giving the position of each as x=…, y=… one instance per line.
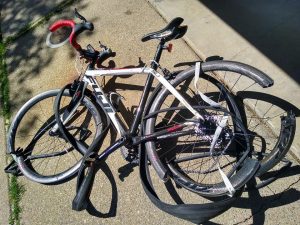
x=68, y=23
x=175, y=128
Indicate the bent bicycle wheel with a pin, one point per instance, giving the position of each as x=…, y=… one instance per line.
x=188, y=156
x=35, y=143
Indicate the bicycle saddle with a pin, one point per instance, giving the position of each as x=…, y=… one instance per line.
x=171, y=31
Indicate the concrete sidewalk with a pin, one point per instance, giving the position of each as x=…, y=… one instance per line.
x=212, y=33
x=118, y=196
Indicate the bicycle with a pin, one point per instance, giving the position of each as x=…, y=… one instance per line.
x=210, y=146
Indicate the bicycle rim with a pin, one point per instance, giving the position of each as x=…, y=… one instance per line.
x=46, y=157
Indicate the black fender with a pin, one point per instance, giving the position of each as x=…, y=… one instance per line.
x=249, y=71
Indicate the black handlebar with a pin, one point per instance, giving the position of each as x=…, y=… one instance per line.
x=95, y=56
x=85, y=25
x=79, y=28
x=79, y=16
x=105, y=54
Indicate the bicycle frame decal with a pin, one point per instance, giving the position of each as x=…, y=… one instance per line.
x=105, y=102
x=99, y=93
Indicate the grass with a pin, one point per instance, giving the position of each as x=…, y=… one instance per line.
x=4, y=84
x=15, y=189
x=15, y=193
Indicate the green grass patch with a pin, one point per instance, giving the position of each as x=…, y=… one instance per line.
x=4, y=84
x=15, y=193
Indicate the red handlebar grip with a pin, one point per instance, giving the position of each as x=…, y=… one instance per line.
x=67, y=23
x=62, y=23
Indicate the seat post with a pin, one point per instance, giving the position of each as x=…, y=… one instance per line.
x=158, y=53
x=146, y=91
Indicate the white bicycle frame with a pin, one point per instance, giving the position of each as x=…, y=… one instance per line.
x=90, y=76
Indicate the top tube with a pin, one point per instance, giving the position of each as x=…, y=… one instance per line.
x=146, y=70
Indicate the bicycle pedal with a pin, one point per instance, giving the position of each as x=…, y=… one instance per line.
x=135, y=162
x=132, y=158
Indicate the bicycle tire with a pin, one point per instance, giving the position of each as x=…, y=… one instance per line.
x=226, y=100
x=35, y=119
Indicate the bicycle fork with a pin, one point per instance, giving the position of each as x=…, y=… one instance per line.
x=73, y=106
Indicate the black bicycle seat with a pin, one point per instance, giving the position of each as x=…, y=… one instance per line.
x=172, y=31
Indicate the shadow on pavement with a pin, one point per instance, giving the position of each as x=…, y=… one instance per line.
x=260, y=204
x=91, y=209
x=274, y=100
x=125, y=171
x=17, y=14
x=271, y=26
x=28, y=55
x=113, y=86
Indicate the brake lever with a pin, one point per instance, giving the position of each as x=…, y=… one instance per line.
x=79, y=16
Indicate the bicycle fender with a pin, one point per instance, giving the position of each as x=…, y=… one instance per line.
x=75, y=143
x=284, y=142
x=256, y=75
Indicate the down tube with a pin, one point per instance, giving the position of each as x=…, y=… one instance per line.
x=109, y=109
